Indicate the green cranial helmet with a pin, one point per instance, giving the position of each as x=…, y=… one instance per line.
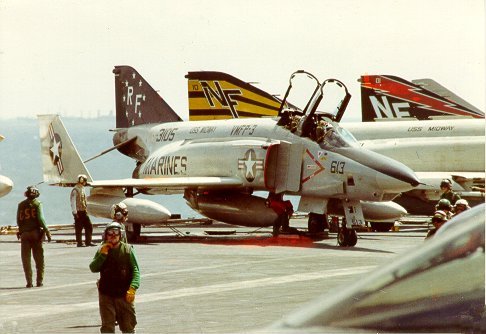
x=443, y=204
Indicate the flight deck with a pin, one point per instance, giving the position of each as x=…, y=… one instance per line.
x=193, y=279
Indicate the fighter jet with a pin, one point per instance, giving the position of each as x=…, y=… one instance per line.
x=6, y=184
x=450, y=147
x=219, y=164
x=391, y=97
x=218, y=95
x=447, y=142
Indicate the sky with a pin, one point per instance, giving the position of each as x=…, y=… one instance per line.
x=58, y=56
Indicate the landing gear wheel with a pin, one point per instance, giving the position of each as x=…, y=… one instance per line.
x=346, y=237
x=341, y=238
x=352, y=238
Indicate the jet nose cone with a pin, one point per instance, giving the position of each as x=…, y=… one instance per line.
x=397, y=178
x=392, y=176
x=6, y=185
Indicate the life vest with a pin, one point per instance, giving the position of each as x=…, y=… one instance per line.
x=116, y=273
x=80, y=198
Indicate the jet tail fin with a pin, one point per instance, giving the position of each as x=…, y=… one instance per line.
x=137, y=102
x=61, y=162
x=391, y=97
x=217, y=95
x=438, y=89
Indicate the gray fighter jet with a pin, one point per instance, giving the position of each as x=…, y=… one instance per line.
x=6, y=184
x=219, y=164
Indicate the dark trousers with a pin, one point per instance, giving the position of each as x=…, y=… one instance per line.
x=281, y=221
x=31, y=246
x=113, y=310
x=83, y=221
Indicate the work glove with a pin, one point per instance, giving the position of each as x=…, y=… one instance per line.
x=105, y=248
x=48, y=235
x=130, y=296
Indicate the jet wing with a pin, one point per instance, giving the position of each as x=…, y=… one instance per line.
x=171, y=183
x=470, y=181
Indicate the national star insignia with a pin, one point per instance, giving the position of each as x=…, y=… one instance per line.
x=55, y=149
x=249, y=166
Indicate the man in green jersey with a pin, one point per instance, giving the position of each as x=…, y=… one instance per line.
x=119, y=280
x=32, y=229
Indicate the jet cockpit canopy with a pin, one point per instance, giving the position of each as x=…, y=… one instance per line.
x=303, y=117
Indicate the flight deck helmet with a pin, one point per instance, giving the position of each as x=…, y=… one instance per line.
x=114, y=226
x=439, y=217
x=119, y=211
x=462, y=204
x=32, y=192
x=446, y=183
x=82, y=178
x=443, y=204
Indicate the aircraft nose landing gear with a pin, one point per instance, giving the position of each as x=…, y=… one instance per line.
x=346, y=237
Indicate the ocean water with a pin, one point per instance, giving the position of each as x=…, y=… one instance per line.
x=20, y=160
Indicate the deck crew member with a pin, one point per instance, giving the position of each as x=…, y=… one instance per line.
x=32, y=229
x=444, y=205
x=119, y=214
x=80, y=214
x=439, y=218
x=447, y=192
x=461, y=206
x=117, y=264
x=284, y=211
